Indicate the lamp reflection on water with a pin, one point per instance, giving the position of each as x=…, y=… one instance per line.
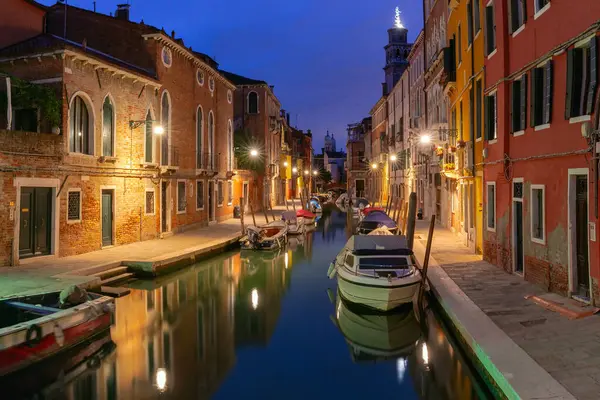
x=425, y=354
x=161, y=379
x=254, y=298
x=401, y=365
x=286, y=260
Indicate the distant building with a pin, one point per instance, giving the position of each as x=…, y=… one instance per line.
x=357, y=167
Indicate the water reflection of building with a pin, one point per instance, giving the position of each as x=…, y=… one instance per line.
x=332, y=224
x=175, y=334
x=263, y=281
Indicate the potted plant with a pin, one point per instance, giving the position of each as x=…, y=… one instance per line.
x=461, y=144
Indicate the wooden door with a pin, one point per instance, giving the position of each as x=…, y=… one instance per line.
x=518, y=235
x=163, y=207
x=107, y=217
x=581, y=236
x=25, y=226
x=42, y=222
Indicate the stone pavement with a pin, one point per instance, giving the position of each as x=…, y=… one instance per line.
x=569, y=350
x=48, y=274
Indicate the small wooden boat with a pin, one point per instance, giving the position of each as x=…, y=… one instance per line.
x=271, y=236
x=295, y=225
x=358, y=204
x=314, y=205
x=376, y=271
x=35, y=328
x=376, y=219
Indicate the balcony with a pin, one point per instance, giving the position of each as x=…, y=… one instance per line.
x=169, y=157
x=207, y=163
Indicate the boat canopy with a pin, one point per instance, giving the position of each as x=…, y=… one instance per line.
x=377, y=216
x=365, y=245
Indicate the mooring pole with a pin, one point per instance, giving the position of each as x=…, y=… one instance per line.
x=242, y=214
x=253, y=217
x=265, y=212
x=426, y=259
x=411, y=219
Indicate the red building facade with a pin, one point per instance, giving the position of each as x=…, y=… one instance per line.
x=540, y=191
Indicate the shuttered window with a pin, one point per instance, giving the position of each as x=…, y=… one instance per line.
x=476, y=15
x=541, y=95
x=230, y=193
x=470, y=22
x=491, y=206
x=478, y=109
x=148, y=145
x=517, y=14
x=582, y=79
x=537, y=214
x=74, y=206
x=79, y=127
x=490, y=29
x=491, y=117
x=181, y=200
x=459, y=45
x=150, y=202
x=519, y=104
x=108, y=128
x=220, y=198
x=199, y=195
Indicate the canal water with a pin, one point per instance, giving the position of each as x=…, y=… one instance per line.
x=259, y=325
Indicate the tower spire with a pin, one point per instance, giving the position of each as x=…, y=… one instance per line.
x=397, y=20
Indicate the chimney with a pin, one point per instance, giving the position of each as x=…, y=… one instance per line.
x=384, y=89
x=287, y=117
x=122, y=12
x=272, y=88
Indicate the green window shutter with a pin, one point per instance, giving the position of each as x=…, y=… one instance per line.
x=524, y=8
x=512, y=106
x=487, y=115
x=523, y=102
x=569, y=93
x=548, y=92
x=591, y=98
x=532, y=104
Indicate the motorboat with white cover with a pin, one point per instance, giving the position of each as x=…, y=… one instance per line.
x=377, y=271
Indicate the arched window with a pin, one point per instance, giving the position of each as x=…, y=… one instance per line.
x=229, y=146
x=211, y=140
x=79, y=127
x=252, y=103
x=166, y=124
x=199, y=137
x=108, y=128
x=149, y=148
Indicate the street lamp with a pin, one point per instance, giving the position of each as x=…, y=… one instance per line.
x=374, y=166
x=294, y=170
x=305, y=172
x=157, y=130
x=425, y=139
x=285, y=163
x=253, y=153
x=393, y=158
x=315, y=172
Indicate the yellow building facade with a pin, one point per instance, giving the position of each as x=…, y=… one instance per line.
x=464, y=83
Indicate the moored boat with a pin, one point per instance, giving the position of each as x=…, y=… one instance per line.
x=376, y=271
x=38, y=327
x=376, y=219
x=271, y=236
x=307, y=216
x=314, y=205
x=295, y=225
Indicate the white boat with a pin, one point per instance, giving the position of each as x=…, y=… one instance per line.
x=295, y=225
x=271, y=236
x=377, y=271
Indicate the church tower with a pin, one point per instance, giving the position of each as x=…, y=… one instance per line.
x=396, y=53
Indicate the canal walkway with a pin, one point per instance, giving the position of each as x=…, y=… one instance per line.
x=510, y=331
x=47, y=274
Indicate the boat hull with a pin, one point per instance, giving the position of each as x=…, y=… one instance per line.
x=379, y=294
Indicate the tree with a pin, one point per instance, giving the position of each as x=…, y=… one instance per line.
x=324, y=176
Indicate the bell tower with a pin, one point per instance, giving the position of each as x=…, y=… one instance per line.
x=396, y=53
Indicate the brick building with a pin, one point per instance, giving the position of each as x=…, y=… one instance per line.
x=540, y=189
x=107, y=176
x=258, y=126
x=20, y=20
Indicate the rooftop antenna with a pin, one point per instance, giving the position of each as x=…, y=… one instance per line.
x=94, y=6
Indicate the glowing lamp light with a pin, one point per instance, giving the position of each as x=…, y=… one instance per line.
x=285, y=163
x=401, y=365
x=295, y=170
x=315, y=172
x=158, y=130
x=253, y=153
x=161, y=379
x=305, y=172
x=286, y=260
x=393, y=157
x=254, y=298
x=425, y=139
x=374, y=166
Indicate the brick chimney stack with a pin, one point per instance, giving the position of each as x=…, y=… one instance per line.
x=122, y=12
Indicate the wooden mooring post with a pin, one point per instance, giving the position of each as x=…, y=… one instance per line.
x=294, y=203
x=425, y=266
x=272, y=212
x=265, y=212
x=252, y=211
x=411, y=219
x=242, y=215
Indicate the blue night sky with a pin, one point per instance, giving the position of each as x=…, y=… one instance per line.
x=325, y=57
